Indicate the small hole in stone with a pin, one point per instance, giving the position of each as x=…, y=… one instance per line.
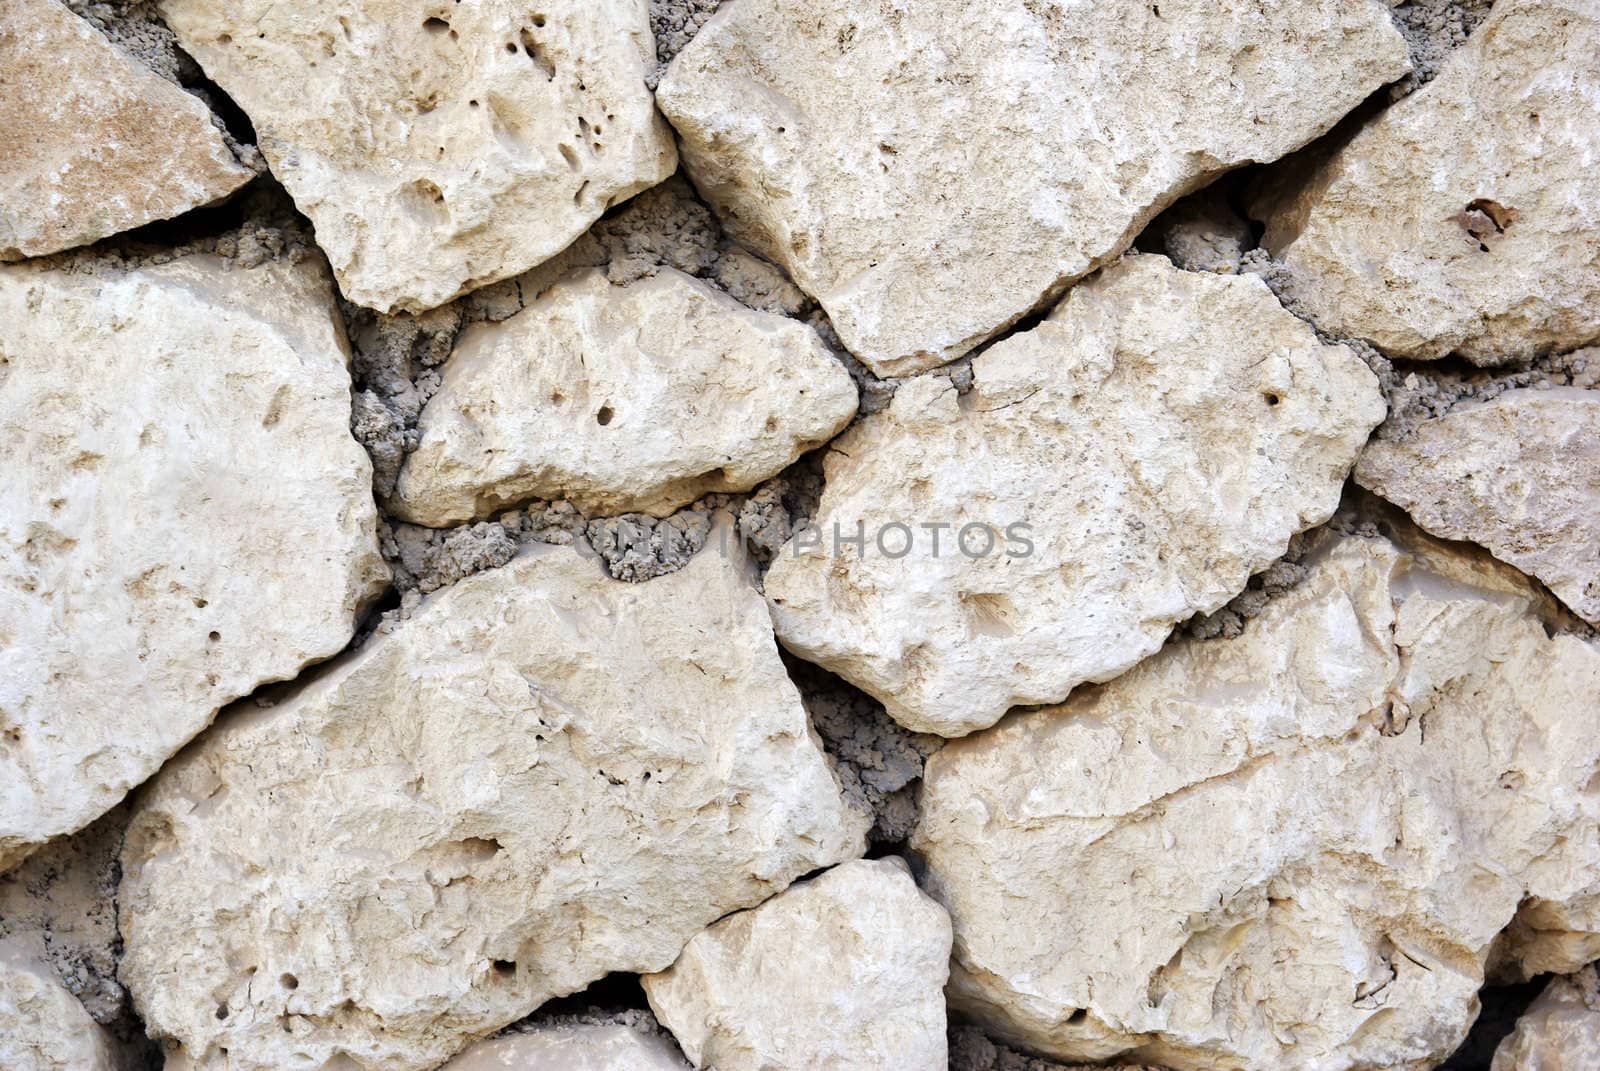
x=505, y=968
x=289, y=981
x=472, y=104
x=538, y=20
x=556, y=398
x=201, y=604
x=227, y=39
x=214, y=637
x=222, y=1011
x=603, y=417
x=435, y=26
x=569, y=156
x=1272, y=399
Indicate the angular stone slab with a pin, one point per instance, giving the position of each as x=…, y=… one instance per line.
x=438, y=147
x=930, y=172
x=92, y=142
x=184, y=518
x=1160, y=436
x=541, y=777
x=1466, y=218
x=621, y=398
x=1288, y=850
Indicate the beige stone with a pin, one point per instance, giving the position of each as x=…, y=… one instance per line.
x=621, y=398
x=844, y=971
x=542, y=776
x=186, y=519
x=930, y=172
x=1161, y=435
x=571, y=1048
x=1519, y=474
x=1288, y=850
x=1466, y=218
x=1560, y=1031
x=91, y=142
x=42, y=1025
x=440, y=146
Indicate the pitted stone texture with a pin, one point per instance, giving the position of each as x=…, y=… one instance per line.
x=621, y=398
x=440, y=146
x=92, y=142
x=571, y=1048
x=193, y=519
x=845, y=971
x=930, y=172
x=1289, y=850
x=541, y=777
x=1466, y=218
x=1560, y=1031
x=1163, y=434
x=42, y=1025
x=1519, y=475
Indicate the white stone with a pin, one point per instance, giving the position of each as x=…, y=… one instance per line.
x=930, y=172
x=1560, y=1031
x=543, y=776
x=42, y=1025
x=185, y=518
x=1291, y=850
x=440, y=146
x=1466, y=218
x=845, y=971
x=571, y=1048
x=1162, y=434
x=91, y=142
x=621, y=398
x=1519, y=474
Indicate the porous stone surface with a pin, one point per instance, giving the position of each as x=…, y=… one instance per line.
x=194, y=518
x=1560, y=1031
x=93, y=143
x=42, y=1025
x=1464, y=218
x=931, y=172
x=1519, y=474
x=571, y=1048
x=1160, y=437
x=440, y=147
x=541, y=777
x=620, y=398
x=846, y=970
x=1292, y=849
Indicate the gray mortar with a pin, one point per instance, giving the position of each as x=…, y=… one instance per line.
x=1433, y=29
x=879, y=762
x=639, y=1020
x=972, y=1050
x=675, y=23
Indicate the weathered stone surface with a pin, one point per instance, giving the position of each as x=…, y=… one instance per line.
x=543, y=776
x=571, y=1048
x=194, y=518
x=1466, y=218
x=1288, y=850
x=931, y=172
x=42, y=1025
x=621, y=398
x=438, y=147
x=844, y=971
x=1560, y=1031
x=92, y=142
x=1163, y=434
x=1519, y=475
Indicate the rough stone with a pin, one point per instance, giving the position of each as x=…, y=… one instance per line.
x=928, y=193
x=93, y=142
x=1464, y=219
x=620, y=398
x=1162, y=435
x=1519, y=475
x=440, y=147
x=1289, y=850
x=194, y=520
x=844, y=971
x=42, y=1025
x=541, y=777
x=571, y=1048
x=1560, y=1031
